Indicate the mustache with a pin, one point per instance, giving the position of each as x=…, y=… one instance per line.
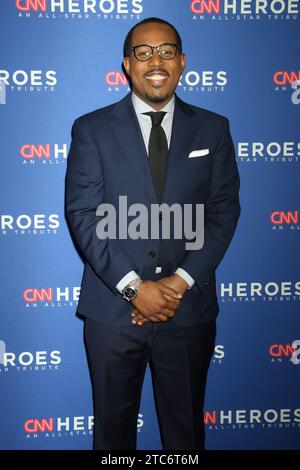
x=157, y=70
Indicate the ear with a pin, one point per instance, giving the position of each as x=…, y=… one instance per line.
x=126, y=63
x=182, y=61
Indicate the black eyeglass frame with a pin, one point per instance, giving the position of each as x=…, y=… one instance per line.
x=176, y=46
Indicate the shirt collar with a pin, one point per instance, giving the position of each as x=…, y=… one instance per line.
x=141, y=107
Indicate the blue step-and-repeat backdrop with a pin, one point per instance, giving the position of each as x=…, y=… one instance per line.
x=61, y=59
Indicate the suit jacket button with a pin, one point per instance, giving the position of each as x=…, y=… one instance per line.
x=152, y=254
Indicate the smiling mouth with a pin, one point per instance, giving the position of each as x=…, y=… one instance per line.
x=156, y=76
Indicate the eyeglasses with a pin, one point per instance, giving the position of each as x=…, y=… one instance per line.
x=165, y=51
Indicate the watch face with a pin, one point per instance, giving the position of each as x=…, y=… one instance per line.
x=129, y=293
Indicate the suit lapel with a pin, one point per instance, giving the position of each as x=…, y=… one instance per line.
x=181, y=138
x=128, y=133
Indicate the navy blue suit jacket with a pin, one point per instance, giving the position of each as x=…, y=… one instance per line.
x=107, y=159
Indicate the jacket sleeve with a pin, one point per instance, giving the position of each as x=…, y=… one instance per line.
x=85, y=188
x=221, y=212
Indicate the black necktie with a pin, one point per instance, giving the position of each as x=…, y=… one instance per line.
x=158, y=155
x=158, y=151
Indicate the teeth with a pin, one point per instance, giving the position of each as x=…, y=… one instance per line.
x=156, y=76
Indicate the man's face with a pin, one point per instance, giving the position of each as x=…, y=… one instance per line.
x=154, y=80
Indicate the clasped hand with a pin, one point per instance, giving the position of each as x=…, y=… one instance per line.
x=158, y=301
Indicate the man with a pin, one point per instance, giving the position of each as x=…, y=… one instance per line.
x=149, y=300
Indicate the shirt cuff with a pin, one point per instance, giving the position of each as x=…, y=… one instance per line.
x=131, y=276
x=188, y=279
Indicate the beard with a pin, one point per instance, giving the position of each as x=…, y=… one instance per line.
x=157, y=99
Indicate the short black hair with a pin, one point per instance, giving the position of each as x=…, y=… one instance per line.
x=128, y=43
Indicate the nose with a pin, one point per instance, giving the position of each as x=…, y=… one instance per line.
x=155, y=60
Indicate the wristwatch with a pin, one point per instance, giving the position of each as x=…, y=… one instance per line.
x=129, y=292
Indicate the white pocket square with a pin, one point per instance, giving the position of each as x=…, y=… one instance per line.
x=198, y=153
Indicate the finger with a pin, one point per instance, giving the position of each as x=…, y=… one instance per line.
x=172, y=303
x=154, y=318
x=171, y=292
x=162, y=317
x=167, y=312
x=137, y=314
x=158, y=317
x=139, y=319
x=142, y=322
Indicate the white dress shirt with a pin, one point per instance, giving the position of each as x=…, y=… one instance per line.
x=145, y=123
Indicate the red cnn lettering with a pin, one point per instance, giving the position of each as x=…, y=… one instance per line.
x=205, y=6
x=30, y=151
x=34, y=425
x=35, y=5
x=210, y=418
x=280, y=217
x=282, y=77
x=32, y=295
x=278, y=350
x=115, y=78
